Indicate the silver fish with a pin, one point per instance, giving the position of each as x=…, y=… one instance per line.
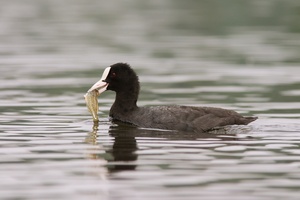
x=91, y=100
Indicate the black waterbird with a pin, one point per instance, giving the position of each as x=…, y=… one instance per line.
x=122, y=79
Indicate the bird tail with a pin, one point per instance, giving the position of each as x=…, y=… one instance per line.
x=247, y=120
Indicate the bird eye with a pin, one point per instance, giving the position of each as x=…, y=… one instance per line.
x=113, y=75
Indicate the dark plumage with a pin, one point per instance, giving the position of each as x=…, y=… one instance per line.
x=124, y=81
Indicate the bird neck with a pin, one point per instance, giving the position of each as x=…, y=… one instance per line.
x=126, y=99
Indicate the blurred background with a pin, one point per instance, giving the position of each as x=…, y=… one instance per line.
x=234, y=32
x=236, y=54
x=74, y=39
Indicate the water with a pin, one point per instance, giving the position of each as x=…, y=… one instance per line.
x=51, y=52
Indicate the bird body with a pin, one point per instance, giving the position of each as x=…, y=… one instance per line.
x=181, y=118
x=121, y=78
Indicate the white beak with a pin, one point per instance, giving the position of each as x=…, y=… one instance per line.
x=101, y=85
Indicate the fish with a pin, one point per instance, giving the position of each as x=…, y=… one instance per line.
x=91, y=97
x=91, y=100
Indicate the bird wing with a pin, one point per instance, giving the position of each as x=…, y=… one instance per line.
x=186, y=118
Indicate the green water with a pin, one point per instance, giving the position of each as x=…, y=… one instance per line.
x=240, y=55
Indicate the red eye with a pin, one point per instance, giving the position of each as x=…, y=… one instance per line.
x=113, y=75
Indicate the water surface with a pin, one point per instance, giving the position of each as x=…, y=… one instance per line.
x=51, y=52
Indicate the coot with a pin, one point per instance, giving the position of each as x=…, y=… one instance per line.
x=122, y=79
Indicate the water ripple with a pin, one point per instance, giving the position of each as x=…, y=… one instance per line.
x=52, y=51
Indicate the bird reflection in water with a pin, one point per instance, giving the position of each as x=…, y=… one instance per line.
x=123, y=150
x=122, y=154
